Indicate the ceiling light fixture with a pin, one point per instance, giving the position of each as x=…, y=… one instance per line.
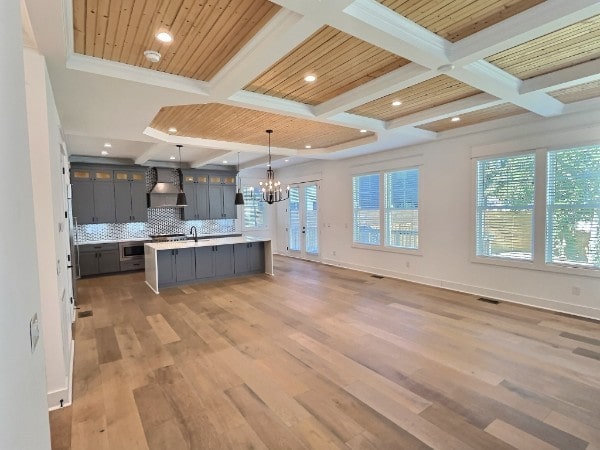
x=163, y=36
x=171, y=157
x=239, y=197
x=446, y=67
x=308, y=146
x=172, y=130
x=224, y=161
x=363, y=131
x=271, y=188
x=107, y=145
x=181, y=199
x=396, y=103
x=152, y=56
x=310, y=78
x=104, y=153
x=455, y=119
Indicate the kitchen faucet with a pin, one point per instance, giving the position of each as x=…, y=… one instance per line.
x=195, y=233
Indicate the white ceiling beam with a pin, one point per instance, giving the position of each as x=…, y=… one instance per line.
x=489, y=78
x=359, y=122
x=285, y=31
x=207, y=157
x=151, y=77
x=343, y=146
x=261, y=162
x=463, y=106
x=389, y=83
x=149, y=154
x=540, y=20
x=564, y=78
x=271, y=104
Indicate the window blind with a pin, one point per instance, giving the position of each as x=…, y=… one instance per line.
x=402, y=209
x=505, y=201
x=573, y=207
x=312, y=229
x=294, y=218
x=365, y=196
x=253, y=209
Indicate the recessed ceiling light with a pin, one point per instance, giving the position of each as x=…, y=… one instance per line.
x=446, y=67
x=224, y=161
x=310, y=78
x=396, y=103
x=455, y=119
x=363, y=131
x=172, y=130
x=104, y=153
x=107, y=145
x=308, y=146
x=152, y=56
x=163, y=36
x=171, y=157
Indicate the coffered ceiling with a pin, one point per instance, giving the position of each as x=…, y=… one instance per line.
x=237, y=67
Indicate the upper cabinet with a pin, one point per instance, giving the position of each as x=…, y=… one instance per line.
x=195, y=186
x=130, y=196
x=93, y=195
x=222, y=197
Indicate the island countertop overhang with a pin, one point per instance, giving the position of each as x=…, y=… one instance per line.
x=204, y=242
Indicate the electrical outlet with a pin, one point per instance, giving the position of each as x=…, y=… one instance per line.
x=34, y=332
x=575, y=290
x=334, y=253
x=407, y=264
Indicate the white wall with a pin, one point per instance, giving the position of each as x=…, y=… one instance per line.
x=51, y=226
x=23, y=414
x=445, y=215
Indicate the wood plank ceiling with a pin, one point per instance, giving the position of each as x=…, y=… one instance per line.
x=206, y=35
x=564, y=48
x=428, y=94
x=234, y=124
x=479, y=116
x=339, y=61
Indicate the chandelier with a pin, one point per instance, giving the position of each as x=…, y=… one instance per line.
x=271, y=188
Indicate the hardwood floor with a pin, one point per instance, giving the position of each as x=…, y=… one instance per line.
x=321, y=357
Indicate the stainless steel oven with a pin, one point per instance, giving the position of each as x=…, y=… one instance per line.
x=131, y=251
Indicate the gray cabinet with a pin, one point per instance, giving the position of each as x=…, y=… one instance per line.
x=221, y=194
x=96, y=259
x=176, y=265
x=93, y=196
x=130, y=196
x=195, y=187
x=249, y=257
x=214, y=261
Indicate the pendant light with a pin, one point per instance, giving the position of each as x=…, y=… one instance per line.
x=271, y=188
x=239, y=197
x=181, y=199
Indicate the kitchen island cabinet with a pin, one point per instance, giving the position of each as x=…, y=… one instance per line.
x=171, y=263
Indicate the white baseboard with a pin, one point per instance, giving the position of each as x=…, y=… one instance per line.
x=511, y=297
x=65, y=394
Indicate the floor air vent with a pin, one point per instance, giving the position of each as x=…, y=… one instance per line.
x=488, y=300
x=85, y=314
x=379, y=277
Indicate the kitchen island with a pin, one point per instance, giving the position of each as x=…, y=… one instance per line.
x=172, y=263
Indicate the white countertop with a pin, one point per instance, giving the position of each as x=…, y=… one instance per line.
x=204, y=242
x=147, y=239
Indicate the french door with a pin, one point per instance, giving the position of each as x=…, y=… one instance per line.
x=303, y=220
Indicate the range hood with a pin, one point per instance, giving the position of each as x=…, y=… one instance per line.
x=164, y=193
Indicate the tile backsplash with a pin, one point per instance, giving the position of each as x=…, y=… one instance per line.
x=160, y=221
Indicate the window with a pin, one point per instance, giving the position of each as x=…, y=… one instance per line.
x=505, y=202
x=253, y=215
x=573, y=207
x=367, y=220
x=399, y=204
x=402, y=209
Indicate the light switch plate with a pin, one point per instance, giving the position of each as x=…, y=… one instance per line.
x=34, y=332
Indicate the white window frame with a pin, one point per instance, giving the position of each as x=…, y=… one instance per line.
x=383, y=237
x=539, y=237
x=265, y=225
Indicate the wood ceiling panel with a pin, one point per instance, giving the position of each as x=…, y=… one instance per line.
x=232, y=124
x=206, y=34
x=577, y=93
x=428, y=94
x=567, y=47
x=341, y=62
x=472, y=118
x=456, y=19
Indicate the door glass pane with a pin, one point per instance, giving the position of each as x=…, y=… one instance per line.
x=311, y=220
x=294, y=211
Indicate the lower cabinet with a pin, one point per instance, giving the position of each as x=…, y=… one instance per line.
x=175, y=265
x=99, y=258
x=249, y=257
x=214, y=261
